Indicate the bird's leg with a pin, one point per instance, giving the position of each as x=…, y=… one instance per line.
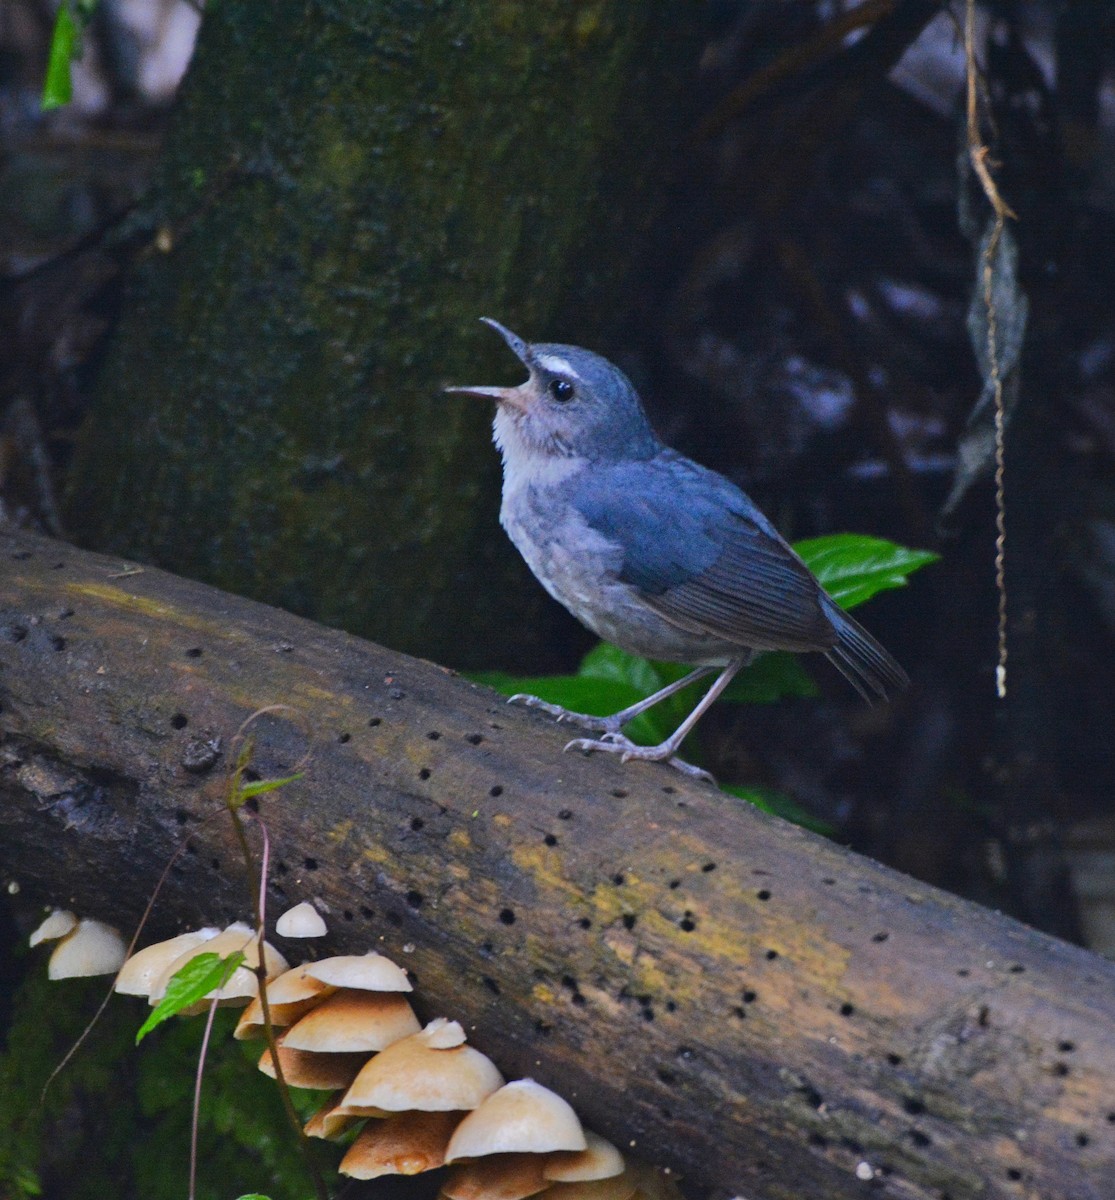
x=616, y=721
x=616, y=743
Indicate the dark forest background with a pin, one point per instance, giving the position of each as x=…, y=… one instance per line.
x=226, y=309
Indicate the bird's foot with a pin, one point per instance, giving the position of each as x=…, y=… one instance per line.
x=584, y=720
x=617, y=743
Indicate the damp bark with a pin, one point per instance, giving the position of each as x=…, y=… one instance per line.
x=724, y=993
x=346, y=188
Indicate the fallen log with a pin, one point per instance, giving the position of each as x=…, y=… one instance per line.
x=729, y=995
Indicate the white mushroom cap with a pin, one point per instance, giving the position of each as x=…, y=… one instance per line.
x=304, y=1069
x=352, y=1020
x=90, y=948
x=137, y=976
x=416, y=1073
x=500, y=1177
x=521, y=1117
x=370, y=972
x=599, y=1160
x=407, y=1143
x=57, y=924
x=301, y=921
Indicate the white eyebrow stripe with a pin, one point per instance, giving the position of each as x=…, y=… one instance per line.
x=558, y=365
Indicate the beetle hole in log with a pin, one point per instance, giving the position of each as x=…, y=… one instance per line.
x=179, y=721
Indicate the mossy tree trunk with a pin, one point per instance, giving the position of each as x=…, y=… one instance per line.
x=347, y=186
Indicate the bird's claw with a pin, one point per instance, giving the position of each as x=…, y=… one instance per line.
x=617, y=743
x=603, y=725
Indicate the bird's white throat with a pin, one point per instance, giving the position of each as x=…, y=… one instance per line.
x=524, y=461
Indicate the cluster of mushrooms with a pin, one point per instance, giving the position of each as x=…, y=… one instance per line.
x=426, y=1098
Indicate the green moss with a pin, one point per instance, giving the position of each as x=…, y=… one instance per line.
x=116, y=1120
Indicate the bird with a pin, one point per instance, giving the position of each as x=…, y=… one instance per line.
x=653, y=552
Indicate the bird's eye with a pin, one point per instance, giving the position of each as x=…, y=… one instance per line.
x=561, y=390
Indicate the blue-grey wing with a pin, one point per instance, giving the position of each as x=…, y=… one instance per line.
x=702, y=555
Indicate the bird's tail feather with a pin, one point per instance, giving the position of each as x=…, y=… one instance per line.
x=870, y=669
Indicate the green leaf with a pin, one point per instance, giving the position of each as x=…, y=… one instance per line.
x=58, y=87
x=258, y=786
x=204, y=973
x=769, y=678
x=780, y=805
x=853, y=567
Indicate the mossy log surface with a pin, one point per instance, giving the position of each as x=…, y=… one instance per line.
x=346, y=188
x=730, y=995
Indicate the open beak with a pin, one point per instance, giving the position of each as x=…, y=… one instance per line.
x=516, y=397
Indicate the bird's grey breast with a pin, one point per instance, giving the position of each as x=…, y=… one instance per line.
x=582, y=565
x=573, y=562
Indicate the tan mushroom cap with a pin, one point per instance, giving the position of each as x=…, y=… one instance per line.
x=90, y=948
x=326, y=1122
x=407, y=1143
x=242, y=983
x=599, y=1160
x=617, y=1187
x=416, y=1073
x=138, y=975
x=352, y=1020
x=289, y=996
x=522, y=1117
x=501, y=1177
x=370, y=972
x=304, y=1069
x=301, y=921
x=56, y=924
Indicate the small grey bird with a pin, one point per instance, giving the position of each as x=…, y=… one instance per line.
x=650, y=550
